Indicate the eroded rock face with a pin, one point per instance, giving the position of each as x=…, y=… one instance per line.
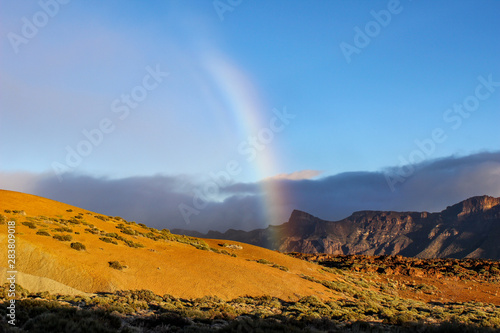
x=469, y=229
x=471, y=206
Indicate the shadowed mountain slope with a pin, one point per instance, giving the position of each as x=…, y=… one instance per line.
x=469, y=229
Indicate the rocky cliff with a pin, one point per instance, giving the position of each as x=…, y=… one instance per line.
x=469, y=229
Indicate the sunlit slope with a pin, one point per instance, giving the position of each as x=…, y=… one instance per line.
x=154, y=260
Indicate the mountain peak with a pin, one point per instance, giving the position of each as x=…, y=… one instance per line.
x=299, y=216
x=473, y=205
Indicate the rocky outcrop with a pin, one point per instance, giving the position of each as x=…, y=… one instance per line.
x=469, y=229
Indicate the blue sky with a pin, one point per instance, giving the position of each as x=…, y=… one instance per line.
x=230, y=70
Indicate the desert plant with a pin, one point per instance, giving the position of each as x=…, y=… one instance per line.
x=116, y=265
x=78, y=246
x=94, y=231
x=283, y=268
x=63, y=229
x=132, y=244
x=42, y=233
x=108, y=240
x=265, y=262
x=63, y=238
x=30, y=225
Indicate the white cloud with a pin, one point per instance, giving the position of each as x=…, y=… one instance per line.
x=297, y=175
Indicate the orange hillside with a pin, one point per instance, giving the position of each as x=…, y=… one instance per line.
x=125, y=255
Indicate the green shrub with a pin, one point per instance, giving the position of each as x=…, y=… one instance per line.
x=116, y=265
x=283, y=268
x=63, y=238
x=69, y=210
x=94, y=231
x=108, y=240
x=63, y=229
x=30, y=225
x=78, y=246
x=132, y=244
x=228, y=253
x=8, y=211
x=265, y=262
x=42, y=233
x=128, y=231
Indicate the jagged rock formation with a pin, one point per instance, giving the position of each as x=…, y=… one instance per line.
x=469, y=229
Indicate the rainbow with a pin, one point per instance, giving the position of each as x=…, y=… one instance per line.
x=243, y=102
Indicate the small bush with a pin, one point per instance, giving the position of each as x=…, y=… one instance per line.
x=94, y=231
x=63, y=229
x=128, y=231
x=264, y=261
x=69, y=210
x=132, y=244
x=116, y=265
x=283, y=268
x=42, y=233
x=63, y=238
x=108, y=240
x=8, y=211
x=30, y=225
x=228, y=253
x=78, y=246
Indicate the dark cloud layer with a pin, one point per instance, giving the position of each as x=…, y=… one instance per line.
x=155, y=200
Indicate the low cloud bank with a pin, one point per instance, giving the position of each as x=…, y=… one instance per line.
x=155, y=200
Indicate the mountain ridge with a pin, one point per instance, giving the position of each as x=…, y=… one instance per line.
x=465, y=229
